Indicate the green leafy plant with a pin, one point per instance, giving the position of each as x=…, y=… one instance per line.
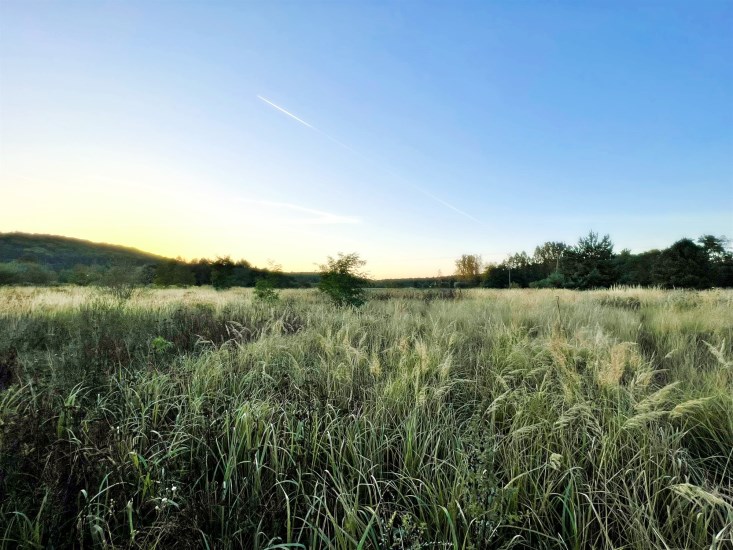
x=343, y=281
x=160, y=345
x=265, y=291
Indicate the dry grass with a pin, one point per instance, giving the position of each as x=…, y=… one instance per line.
x=502, y=419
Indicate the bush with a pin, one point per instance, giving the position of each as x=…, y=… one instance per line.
x=25, y=273
x=265, y=291
x=342, y=280
x=555, y=280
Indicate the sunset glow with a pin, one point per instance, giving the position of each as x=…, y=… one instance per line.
x=412, y=137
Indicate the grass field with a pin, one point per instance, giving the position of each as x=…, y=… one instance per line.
x=500, y=419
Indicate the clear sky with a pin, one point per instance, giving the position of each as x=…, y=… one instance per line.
x=410, y=132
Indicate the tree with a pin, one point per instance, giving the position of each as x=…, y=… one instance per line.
x=174, y=273
x=715, y=247
x=548, y=256
x=468, y=268
x=683, y=265
x=635, y=269
x=201, y=269
x=721, y=259
x=589, y=264
x=521, y=270
x=342, y=279
x=121, y=280
x=226, y=274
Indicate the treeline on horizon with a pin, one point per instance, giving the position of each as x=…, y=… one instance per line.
x=591, y=263
x=221, y=273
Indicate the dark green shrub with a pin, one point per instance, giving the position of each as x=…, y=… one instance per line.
x=342, y=281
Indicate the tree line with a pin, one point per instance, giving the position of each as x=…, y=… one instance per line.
x=592, y=263
x=221, y=273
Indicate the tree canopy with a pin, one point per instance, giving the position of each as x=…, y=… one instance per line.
x=468, y=268
x=342, y=279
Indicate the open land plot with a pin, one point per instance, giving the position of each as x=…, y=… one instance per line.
x=521, y=418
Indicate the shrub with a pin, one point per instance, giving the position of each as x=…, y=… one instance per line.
x=265, y=291
x=342, y=280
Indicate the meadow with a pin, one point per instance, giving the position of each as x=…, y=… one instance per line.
x=489, y=419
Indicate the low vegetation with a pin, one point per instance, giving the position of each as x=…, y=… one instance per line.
x=590, y=263
x=425, y=419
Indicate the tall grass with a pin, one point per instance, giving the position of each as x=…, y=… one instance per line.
x=506, y=419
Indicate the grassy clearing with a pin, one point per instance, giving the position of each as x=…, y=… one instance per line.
x=535, y=419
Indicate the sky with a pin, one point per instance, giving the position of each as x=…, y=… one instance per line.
x=409, y=132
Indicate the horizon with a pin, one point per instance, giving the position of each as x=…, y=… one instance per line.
x=316, y=265
x=409, y=133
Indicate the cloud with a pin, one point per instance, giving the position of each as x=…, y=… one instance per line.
x=447, y=204
x=371, y=161
x=309, y=216
x=291, y=115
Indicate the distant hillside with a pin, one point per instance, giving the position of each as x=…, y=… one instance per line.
x=59, y=253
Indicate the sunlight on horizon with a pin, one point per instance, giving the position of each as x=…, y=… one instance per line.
x=421, y=134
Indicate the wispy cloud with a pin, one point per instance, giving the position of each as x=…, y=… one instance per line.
x=447, y=204
x=303, y=122
x=291, y=115
x=308, y=216
x=371, y=161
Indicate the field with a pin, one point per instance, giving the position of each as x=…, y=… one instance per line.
x=494, y=419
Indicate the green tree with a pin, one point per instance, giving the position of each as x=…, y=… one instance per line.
x=548, y=256
x=174, y=273
x=25, y=273
x=265, y=290
x=721, y=259
x=496, y=276
x=589, y=264
x=683, y=265
x=121, y=280
x=715, y=247
x=343, y=281
x=468, y=268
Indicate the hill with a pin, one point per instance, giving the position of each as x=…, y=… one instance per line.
x=58, y=252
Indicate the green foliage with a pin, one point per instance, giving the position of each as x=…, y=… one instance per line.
x=468, y=268
x=547, y=419
x=161, y=345
x=548, y=256
x=59, y=253
x=226, y=273
x=589, y=264
x=265, y=291
x=343, y=281
x=43, y=260
x=121, y=281
x=174, y=273
x=716, y=248
x=82, y=275
x=554, y=280
x=720, y=256
x=25, y=273
x=683, y=265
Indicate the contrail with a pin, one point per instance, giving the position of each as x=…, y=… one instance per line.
x=447, y=204
x=371, y=161
x=291, y=115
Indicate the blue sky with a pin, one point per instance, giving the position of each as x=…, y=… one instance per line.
x=431, y=129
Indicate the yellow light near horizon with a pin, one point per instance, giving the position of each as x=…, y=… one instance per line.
x=109, y=198
x=162, y=220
